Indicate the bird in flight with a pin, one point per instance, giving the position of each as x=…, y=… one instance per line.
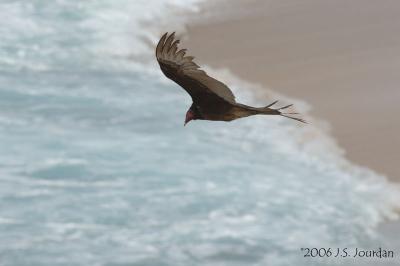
x=212, y=99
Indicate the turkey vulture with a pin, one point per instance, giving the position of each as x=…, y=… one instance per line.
x=212, y=99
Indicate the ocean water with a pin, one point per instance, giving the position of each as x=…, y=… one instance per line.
x=96, y=167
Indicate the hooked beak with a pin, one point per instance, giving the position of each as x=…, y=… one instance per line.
x=189, y=116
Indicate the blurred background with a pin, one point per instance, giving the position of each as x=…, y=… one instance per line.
x=96, y=167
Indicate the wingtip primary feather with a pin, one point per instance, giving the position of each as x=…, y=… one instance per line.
x=160, y=44
x=285, y=107
x=167, y=44
x=269, y=105
x=172, y=50
x=295, y=118
x=180, y=54
x=287, y=115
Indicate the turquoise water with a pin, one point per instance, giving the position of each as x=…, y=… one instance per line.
x=96, y=167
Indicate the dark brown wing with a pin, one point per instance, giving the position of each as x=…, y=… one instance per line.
x=181, y=69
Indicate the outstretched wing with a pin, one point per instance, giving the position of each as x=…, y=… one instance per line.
x=181, y=69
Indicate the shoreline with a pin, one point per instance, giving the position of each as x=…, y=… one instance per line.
x=254, y=47
x=277, y=45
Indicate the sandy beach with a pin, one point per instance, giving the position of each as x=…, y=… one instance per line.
x=342, y=57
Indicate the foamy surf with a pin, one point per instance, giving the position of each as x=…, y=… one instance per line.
x=97, y=168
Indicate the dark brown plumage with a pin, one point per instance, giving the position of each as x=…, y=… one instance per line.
x=212, y=99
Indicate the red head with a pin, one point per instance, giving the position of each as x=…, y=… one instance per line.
x=192, y=114
x=189, y=116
